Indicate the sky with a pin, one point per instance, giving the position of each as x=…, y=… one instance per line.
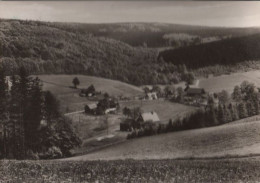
x=209, y=13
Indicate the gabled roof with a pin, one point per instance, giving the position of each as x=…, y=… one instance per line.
x=92, y=106
x=195, y=90
x=150, y=116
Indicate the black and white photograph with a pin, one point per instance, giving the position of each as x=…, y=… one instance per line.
x=129, y=91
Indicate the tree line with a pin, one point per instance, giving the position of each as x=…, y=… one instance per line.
x=219, y=56
x=32, y=125
x=243, y=102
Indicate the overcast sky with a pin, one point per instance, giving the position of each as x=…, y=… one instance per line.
x=235, y=14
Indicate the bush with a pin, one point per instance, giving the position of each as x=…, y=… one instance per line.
x=53, y=153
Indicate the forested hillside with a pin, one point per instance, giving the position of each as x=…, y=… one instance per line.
x=226, y=52
x=46, y=48
x=158, y=34
x=121, y=51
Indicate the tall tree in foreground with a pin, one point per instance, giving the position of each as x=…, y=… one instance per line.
x=24, y=87
x=15, y=125
x=3, y=112
x=36, y=114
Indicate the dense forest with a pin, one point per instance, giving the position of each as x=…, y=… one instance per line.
x=226, y=52
x=122, y=51
x=31, y=125
x=43, y=48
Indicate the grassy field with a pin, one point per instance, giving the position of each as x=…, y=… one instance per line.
x=227, y=82
x=237, y=139
x=90, y=127
x=94, y=133
x=61, y=86
x=166, y=110
x=154, y=171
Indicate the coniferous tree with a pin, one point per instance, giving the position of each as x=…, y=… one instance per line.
x=15, y=121
x=24, y=85
x=3, y=112
x=36, y=115
x=228, y=114
x=221, y=115
x=242, y=111
x=250, y=109
x=237, y=95
x=234, y=113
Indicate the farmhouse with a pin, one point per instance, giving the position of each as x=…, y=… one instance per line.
x=148, y=117
x=88, y=92
x=151, y=96
x=91, y=108
x=193, y=92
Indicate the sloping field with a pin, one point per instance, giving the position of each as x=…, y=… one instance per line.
x=227, y=82
x=112, y=87
x=61, y=86
x=226, y=140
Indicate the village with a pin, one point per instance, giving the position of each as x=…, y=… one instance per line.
x=135, y=118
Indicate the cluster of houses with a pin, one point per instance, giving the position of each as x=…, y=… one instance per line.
x=198, y=97
x=107, y=105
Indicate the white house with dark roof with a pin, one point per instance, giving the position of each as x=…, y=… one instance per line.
x=149, y=117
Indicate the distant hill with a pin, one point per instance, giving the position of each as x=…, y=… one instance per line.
x=157, y=34
x=225, y=52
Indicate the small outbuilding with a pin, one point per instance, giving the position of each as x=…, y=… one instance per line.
x=151, y=96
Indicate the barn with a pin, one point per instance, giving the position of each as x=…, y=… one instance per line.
x=192, y=92
x=91, y=108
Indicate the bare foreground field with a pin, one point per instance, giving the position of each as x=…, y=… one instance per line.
x=154, y=171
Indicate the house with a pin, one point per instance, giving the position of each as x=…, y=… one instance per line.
x=107, y=105
x=151, y=96
x=91, y=108
x=148, y=117
x=88, y=92
x=193, y=92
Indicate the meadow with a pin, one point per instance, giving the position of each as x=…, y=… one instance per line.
x=227, y=82
x=230, y=140
x=166, y=110
x=62, y=87
x=154, y=171
x=90, y=127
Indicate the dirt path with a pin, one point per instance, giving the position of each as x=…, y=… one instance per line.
x=76, y=112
